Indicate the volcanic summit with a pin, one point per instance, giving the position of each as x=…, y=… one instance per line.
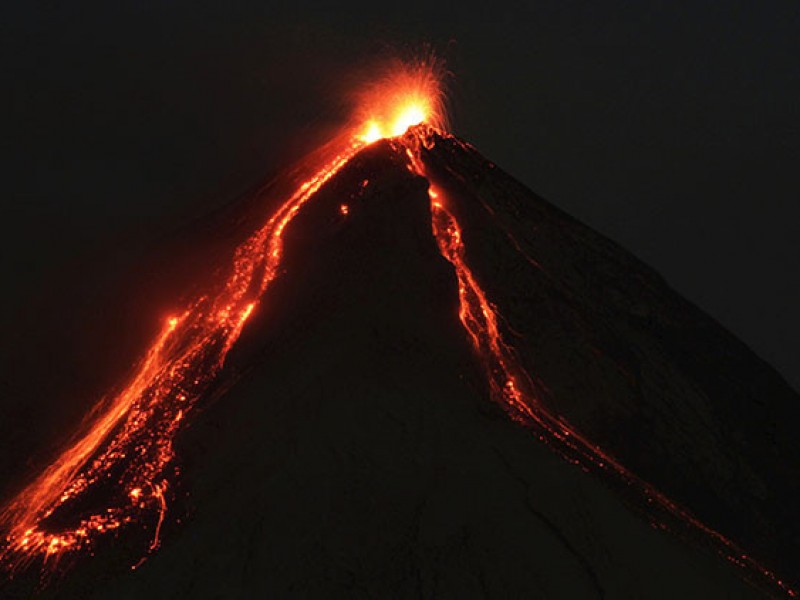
x=416, y=378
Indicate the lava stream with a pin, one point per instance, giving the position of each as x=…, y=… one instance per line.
x=116, y=471
x=512, y=387
x=130, y=442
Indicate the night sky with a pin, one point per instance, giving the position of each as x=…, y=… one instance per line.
x=672, y=128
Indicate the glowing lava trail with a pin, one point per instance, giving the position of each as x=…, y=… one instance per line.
x=512, y=387
x=117, y=470
x=121, y=460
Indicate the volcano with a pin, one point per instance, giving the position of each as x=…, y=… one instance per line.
x=419, y=379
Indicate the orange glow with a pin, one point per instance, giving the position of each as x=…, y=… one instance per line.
x=372, y=132
x=131, y=436
x=405, y=95
x=512, y=387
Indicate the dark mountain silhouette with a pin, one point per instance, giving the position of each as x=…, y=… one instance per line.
x=351, y=448
x=638, y=369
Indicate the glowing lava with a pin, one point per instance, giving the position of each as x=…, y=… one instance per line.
x=117, y=469
x=403, y=96
x=512, y=387
x=130, y=440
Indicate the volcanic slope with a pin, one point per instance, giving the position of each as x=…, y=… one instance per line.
x=637, y=369
x=356, y=452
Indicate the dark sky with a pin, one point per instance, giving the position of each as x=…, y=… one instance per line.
x=673, y=128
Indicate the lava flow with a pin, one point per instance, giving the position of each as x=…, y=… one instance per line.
x=130, y=442
x=118, y=469
x=515, y=390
